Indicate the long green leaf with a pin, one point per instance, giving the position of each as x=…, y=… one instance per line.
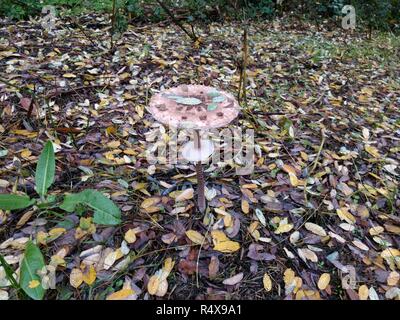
x=45, y=169
x=105, y=210
x=14, y=201
x=9, y=272
x=32, y=262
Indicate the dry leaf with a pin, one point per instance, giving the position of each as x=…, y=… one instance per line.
x=185, y=195
x=227, y=246
x=323, y=281
x=363, y=292
x=76, y=277
x=130, y=236
x=195, y=236
x=267, y=282
x=284, y=228
x=233, y=280
x=344, y=214
x=89, y=275
x=121, y=294
x=153, y=284
x=316, y=229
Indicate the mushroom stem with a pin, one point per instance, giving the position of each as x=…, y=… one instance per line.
x=201, y=200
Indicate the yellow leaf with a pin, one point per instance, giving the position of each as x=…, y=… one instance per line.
x=185, y=195
x=293, y=180
x=89, y=276
x=393, y=278
x=323, y=281
x=121, y=294
x=132, y=152
x=195, y=236
x=113, y=144
x=288, y=276
x=372, y=151
x=55, y=232
x=249, y=186
x=153, y=284
x=316, y=229
x=253, y=230
x=130, y=236
x=284, y=228
x=76, y=277
x=41, y=237
x=69, y=75
x=149, y=202
x=227, y=246
x=25, y=153
x=33, y=284
x=245, y=206
x=168, y=265
x=162, y=288
x=218, y=236
x=363, y=292
x=344, y=214
x=267, y=282
x=26, y=133
x=390, y=253
x=289, y=169
x=111, y=130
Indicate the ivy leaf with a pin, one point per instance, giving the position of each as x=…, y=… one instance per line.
x=45, y=169
x=32, y=262
x=14, y=201
x=105, y=210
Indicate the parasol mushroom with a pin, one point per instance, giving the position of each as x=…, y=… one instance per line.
x=200, y=108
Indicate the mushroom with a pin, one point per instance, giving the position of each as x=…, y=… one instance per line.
x=200, y=108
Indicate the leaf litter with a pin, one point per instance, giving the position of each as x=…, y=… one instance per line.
x=318, y=218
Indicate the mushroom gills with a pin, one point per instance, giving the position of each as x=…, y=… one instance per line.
x=193, y=154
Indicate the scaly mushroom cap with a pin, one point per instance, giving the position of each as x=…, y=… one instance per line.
x=194, y=106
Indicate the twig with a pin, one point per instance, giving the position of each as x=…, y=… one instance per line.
x=112, y=25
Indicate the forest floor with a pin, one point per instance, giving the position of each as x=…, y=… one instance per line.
x=317, y=219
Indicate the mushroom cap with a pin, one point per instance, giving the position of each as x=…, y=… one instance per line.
x=194, y=106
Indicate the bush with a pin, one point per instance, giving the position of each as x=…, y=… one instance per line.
x=374, y=14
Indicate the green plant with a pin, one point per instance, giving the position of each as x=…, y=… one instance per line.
x=105, y=211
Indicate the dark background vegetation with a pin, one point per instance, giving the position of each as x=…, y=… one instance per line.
x=371, y=14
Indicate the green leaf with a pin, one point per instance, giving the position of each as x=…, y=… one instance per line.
x=105, y=210
x=14, y=201
x=45, y=169
x=212, y=107
x=218, y=99
x=213, y=94
x=9, y=273
x=32, y=262
x=189, y=101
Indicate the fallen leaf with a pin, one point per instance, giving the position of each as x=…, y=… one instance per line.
x=316, y=229
x=233, y=280
x=120, y=295
x=195, y=236
x=363, y=292
x=323, y=281
x=187, y=194
x=267, y=282
x=76, y=277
